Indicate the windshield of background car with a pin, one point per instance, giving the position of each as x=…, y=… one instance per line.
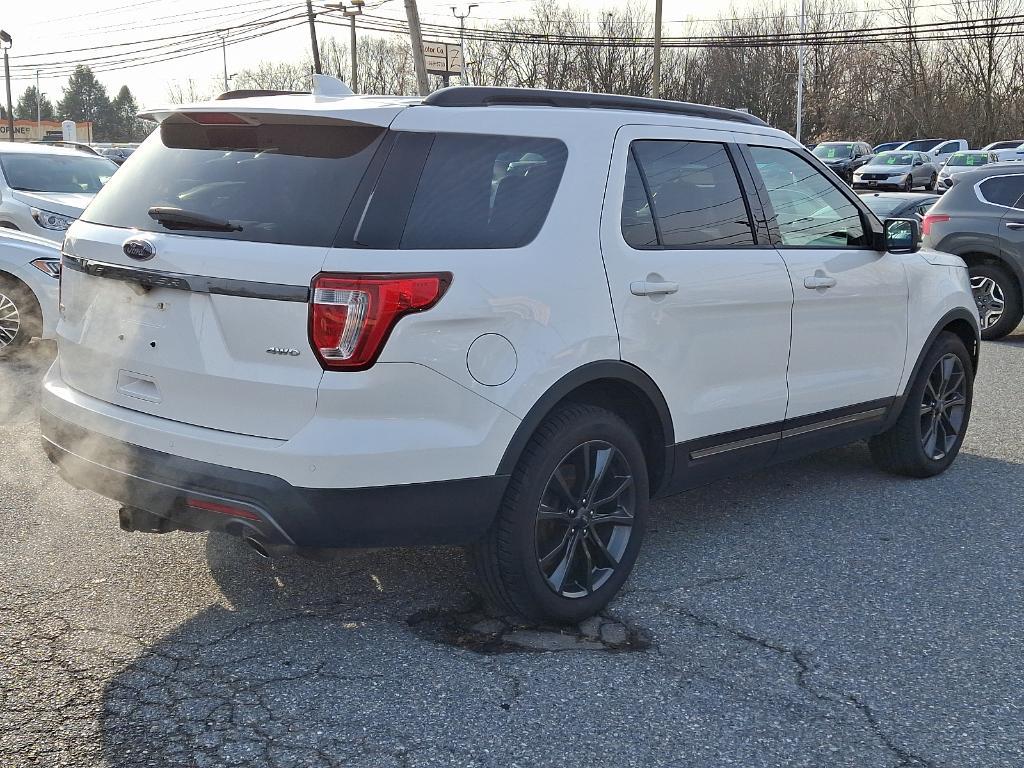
x=893, y=158
x=922, y=146
x=39, y=172
x=833, y=151
x=283, y=179
x=965, y=159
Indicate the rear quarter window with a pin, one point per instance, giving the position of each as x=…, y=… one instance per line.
x=1003, y=190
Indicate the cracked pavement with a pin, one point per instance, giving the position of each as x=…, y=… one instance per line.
x=817, y=614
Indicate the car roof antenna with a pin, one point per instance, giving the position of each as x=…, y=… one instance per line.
x=325, y=85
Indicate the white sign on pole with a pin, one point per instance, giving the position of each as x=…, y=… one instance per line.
x=442, y=58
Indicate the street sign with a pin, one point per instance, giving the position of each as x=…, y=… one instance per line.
x=442, y=58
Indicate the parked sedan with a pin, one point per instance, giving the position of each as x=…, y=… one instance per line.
x=964, y=161
x=900, y=205
x=29, y=272
x=843, y=157
x=897, y=170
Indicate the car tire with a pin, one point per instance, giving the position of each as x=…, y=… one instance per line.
x=932, y=183
x=908, y=185
x=20, y=316
x=998, y=296
x=927, y=436
x=551, y=553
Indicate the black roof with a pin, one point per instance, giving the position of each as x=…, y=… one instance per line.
x=483, y=96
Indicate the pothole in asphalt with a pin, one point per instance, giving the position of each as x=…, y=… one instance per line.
x=477, y=630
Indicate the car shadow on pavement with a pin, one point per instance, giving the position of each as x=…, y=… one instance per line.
x=320, y=663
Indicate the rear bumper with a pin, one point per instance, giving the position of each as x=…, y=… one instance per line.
x=189, y=493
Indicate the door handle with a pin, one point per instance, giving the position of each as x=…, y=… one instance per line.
x=1015, y=224
x=819, y=281
x=652, y=287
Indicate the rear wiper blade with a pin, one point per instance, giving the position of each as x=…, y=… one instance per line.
x=178, y=218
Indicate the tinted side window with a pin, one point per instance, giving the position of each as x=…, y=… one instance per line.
x=1004, y=190
x=695, y=194
x=637, y=221
x=484, y=192
x=809, y=210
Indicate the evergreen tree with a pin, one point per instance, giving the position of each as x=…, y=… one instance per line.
x=26, y=107
x=85, y=99
x=126, y=126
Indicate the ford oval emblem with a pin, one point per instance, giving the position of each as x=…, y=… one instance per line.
x=140, y=250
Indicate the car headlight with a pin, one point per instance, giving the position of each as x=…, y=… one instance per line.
x=51, y=220
x=49, y=266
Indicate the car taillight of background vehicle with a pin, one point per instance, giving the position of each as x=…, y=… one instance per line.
x=351, y=316
x=932, y=218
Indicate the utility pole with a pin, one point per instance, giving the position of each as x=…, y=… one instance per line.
x=356, y=10
x=312, y=37
x=656, y=74
x=462, y=38
x=224, y=53
x=416, y=37
x=800, y=73
x=39, y=108
x=6, y=41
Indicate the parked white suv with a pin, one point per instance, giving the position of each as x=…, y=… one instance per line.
x=495, y=317
x=43, y=188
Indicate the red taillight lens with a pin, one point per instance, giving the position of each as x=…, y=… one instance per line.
x=932, y=218
x=351, y=316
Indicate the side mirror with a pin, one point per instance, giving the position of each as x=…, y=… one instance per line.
x=902, y=235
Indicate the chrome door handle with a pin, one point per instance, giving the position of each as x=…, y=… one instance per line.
x=819, y=281
x=652, y=288
x=1015, y=224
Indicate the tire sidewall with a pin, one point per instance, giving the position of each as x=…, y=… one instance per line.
x=602, y=425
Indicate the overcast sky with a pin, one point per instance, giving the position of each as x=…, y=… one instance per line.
x=48, y=33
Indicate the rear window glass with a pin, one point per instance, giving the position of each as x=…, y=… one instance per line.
x=288, y=181
x=922, y=145
x=39, y=172
x=479, y=191
x=884, y=206
x=1004, y=190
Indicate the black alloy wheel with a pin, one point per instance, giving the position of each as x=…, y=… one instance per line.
x=943, y=407
x=585, y=519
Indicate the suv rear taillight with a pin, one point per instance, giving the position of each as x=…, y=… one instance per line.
x=351, y=316
x=932, y=218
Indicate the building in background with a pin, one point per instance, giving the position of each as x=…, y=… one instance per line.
x=30, y=130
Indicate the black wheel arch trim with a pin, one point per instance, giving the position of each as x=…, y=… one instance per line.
x=991, y=251
x=613, y=370
x=958, y=313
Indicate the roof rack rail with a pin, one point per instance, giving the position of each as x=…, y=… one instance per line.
x=79, y=145
x=252, y=93
x=485, y=96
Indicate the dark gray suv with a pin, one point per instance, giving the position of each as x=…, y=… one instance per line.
x=981, y=220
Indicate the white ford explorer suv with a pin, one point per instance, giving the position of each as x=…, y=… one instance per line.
x=494, y=317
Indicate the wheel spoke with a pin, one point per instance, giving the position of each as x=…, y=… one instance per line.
x=930, y=437
x=547, y=513
x=619, y=517
x=562, y=487
x=602, y=459
x=590, y=565
x=553, y=556
x=602, y=548
x=623, y=487
x=561, y=573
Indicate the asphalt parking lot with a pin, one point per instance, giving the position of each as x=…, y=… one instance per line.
x=820, y=614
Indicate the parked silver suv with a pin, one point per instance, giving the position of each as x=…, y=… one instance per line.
x=981, y=220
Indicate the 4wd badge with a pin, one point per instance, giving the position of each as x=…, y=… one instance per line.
x=291, y=351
